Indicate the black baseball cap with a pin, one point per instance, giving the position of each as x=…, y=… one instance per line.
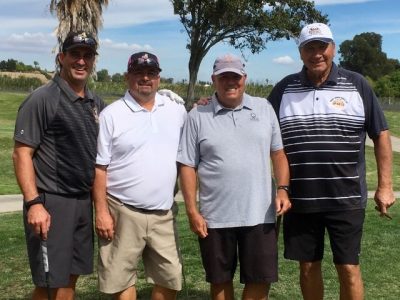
x=143, y=59
x=79, y=39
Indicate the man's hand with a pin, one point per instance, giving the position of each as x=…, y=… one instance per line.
x=38, y=219
x=202, y=101
x=384, y=198
x=104, y=225
x=282, y=202
x=171, y=95
x=198, y=225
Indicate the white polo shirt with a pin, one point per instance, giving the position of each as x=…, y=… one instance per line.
x=140, y=147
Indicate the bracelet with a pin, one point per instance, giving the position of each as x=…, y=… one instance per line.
x=284, y=187
x=37, y=200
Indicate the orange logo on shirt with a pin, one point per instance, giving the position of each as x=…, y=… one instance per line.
x=338, y=102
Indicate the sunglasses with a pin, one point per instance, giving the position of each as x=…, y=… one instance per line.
x=143, y=61
x=84, y=40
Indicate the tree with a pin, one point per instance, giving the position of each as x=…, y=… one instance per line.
x=117, y=77
x=389, y=85
x=103, y=76
x=364, y=55
x=241, y=23
x=77, y=15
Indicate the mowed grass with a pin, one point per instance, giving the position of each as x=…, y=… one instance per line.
x=379, y=249
x=379, y=255
x=9, y=103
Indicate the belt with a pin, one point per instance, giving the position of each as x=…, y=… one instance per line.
x=138, y=209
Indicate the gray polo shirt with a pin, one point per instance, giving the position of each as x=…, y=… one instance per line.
x=62, y=128
x=230, y=148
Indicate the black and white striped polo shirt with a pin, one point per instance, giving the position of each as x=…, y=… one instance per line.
x=323, y=130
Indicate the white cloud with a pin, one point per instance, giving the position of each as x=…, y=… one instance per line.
x=29, y=42
x=109, y=44
x=284, y=60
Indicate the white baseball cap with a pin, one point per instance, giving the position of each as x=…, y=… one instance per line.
x=315, y=32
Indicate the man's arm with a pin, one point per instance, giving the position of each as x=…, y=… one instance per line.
x=37, y=216
x=188, y=181
x=104, y=222
x=171, y=95
x=281, y=174
x=384, y=196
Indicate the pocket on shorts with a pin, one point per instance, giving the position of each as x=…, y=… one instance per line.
x=114, y=201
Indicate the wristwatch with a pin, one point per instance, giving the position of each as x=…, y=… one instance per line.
x=37, y=200
x=284, y=187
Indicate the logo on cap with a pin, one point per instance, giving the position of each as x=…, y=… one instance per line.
x=142, y=59
x=79, y=39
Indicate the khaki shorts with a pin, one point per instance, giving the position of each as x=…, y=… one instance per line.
x=150, y=235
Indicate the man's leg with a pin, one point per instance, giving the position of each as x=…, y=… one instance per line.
x=256, y=291
x=162, y=293
x=311, y=282
x=351, y=284
x=222, y=291
x=128, y=294
x=65, y=293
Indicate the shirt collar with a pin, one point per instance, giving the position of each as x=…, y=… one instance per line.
x=136, y=107
x=69, y=92
x=331, y=80
x=247, y=103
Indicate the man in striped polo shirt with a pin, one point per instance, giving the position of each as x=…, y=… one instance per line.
x=325, y=113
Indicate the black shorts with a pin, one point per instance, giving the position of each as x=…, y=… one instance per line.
x=256, y=247
x=304, y=235
x=69, y=242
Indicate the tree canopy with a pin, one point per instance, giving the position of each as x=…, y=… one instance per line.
x=244, y=24
x=363, y=54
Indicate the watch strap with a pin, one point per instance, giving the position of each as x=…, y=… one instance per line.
x=37, y=200
x=284, y=187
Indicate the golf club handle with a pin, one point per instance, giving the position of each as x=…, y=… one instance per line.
x=43, y=245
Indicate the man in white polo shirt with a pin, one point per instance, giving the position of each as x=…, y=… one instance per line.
x=134, y=185
x=228, y=145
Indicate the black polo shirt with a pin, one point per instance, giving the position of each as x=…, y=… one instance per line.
x=323, y=132
x=62, y=128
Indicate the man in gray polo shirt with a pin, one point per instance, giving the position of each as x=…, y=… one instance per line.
x=228, y=145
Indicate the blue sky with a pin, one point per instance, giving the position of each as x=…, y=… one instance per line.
x=27, y=34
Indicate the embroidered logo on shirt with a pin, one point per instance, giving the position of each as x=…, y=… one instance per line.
x=253, y=117
x=338, y=103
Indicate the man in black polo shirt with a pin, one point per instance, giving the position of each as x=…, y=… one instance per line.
x=54, y=159
x=325, y=113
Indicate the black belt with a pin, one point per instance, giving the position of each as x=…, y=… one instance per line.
x=138, y=209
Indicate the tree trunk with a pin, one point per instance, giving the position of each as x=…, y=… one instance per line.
x=195, y=60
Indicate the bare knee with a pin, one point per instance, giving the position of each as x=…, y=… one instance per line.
x=349, y=273
x=310, y=269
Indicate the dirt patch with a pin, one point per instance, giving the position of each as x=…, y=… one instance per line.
x=38, y=75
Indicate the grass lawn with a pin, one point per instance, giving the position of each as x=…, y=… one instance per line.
x=379, y=250
x=379, y=255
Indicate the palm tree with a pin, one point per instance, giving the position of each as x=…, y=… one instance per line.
x=77, y=15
